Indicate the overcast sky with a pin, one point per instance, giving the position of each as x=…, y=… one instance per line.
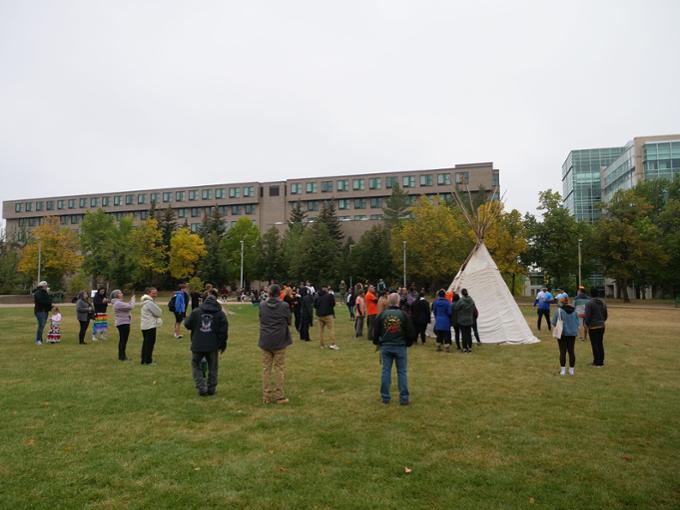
x=116, y=95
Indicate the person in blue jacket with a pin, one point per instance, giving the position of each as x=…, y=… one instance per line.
x=569, y=317
x=543, y=300
x=441, y=308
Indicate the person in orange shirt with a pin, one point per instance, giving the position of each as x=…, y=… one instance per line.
x=371, y=310
x=449, y=296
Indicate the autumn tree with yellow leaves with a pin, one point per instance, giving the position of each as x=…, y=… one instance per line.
x=59, y=253
x=186, y=249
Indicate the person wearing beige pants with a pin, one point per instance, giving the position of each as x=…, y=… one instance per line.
x=325, y=311
x=274, y=338
x=275, y=360
x=327, y=323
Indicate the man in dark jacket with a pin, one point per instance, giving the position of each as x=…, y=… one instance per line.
x=465, y=316
x=274, y=338
x=42, y=306
x=393, y=333
x=596, y=316
x=325, y=311
x=420, y=314
x=209, y=333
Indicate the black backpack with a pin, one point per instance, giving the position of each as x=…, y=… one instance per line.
x=171, y=303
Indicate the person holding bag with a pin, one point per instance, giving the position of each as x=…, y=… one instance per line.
x=565, y=322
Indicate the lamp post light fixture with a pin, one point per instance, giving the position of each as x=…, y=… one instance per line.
x=241, y=288
x=579, y=261
x=404, y=263
x=350, y=266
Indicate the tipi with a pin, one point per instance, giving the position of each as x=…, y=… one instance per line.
x=500, y=319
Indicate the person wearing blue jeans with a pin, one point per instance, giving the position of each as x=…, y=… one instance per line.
x=394, y=332
x=42, y=306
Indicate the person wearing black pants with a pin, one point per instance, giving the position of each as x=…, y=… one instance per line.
x=464, y=309
x=123, y=315
x=596, y=316
x=466, y=334
x=123, y=335
x=151, y=320
x=84, y=310
x=570, y=321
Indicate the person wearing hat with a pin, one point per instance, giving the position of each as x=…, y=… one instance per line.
x=42, y=306
x=580, y=302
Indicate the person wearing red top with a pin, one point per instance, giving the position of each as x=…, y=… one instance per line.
x=371, y=311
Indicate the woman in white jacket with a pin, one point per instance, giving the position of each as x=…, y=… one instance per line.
x=151, y=319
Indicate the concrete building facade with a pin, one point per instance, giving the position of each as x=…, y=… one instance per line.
x=358, y=199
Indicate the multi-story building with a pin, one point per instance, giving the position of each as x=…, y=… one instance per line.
x=359, y=199
x=591, y=177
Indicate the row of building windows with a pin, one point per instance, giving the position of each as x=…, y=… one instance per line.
x=375, y=183
x=132, y=199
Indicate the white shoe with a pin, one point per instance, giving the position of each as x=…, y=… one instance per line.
x=334, y=347
x=563, y=371
x=38, y=342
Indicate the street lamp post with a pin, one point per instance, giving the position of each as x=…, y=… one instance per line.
x=350, y=266
x=579, y=262
x=404, y=263
x=39, y=259
x=241, y=288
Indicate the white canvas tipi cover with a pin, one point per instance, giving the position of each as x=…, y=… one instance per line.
x=500, y=319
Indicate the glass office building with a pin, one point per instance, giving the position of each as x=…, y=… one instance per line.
x=581, y=187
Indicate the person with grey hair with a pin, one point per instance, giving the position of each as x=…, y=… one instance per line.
x=394, y=332
x=274, y=339
x=41, y=309
x=123, y=317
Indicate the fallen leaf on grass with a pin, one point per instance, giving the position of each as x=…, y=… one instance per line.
x=283, y=469
x=532, y=501
x=627, y=458
x=197, y=469
x=30, y=441
x=408, y=470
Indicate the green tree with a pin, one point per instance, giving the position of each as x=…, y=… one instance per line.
x=669, y=224
x=437, y=243
x=628, y=241
x=59, y=253
x=315, y=257
x=186, y=249
x=270, y=258
x=328, y=217
x=97, y=244
x=11, y=280
x=292, y=252
x=230, y=249
x=148, y=252
x=123, y=265
x=297, y=216
x=213, y=267
x=396, y=208
x=372, y=257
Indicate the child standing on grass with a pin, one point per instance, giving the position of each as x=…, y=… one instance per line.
x=54, y=335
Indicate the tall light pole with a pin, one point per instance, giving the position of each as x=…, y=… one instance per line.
x=241, y=288
x=579, y=262
x=350, y=266
x=39, y=259
x=404, y=263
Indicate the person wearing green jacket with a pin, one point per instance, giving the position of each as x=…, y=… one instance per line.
x=465, y=316
x=394, y=332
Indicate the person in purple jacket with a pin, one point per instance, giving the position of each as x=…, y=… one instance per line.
x=123, y=315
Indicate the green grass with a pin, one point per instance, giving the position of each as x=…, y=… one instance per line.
x=495, y=429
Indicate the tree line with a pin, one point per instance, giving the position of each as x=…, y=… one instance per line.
x=636, y=242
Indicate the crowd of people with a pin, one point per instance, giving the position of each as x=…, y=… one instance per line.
x=393, y=320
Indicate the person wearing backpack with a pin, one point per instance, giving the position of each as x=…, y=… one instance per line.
x=566, y=314
x=394, y=332
x=178, y=304
x=209, y=334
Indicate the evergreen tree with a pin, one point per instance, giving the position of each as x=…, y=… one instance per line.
x=371, y=257
x=328, y=217
x=316, y=258
x=123, y=267
x=297, y=216
x=396, y=208
x=168, y=225
x=270, y=259
x=97, y=243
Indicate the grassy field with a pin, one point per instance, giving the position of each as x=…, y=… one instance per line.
x=495, y=429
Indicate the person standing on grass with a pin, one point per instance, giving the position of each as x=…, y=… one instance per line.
x=100, y=327
x=596, y=316
x=54, y=334
x=122, y=313
x=454, y=320
x=359, y=314
x=580, y=302
x=567, y=314
x=441, y=308
x=543, y=300
x=84, y=312
x=371, y=310
x=325, y=311
x=41, y=309
x=179, y=304
x=351, y=301
x=150, y=322
x=274, y=339
x=420, y=315
x=393, y=334
x=209, y=334
x=306, y=313
x=465, y=316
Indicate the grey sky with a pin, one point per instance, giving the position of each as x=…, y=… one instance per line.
x=116, y=95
